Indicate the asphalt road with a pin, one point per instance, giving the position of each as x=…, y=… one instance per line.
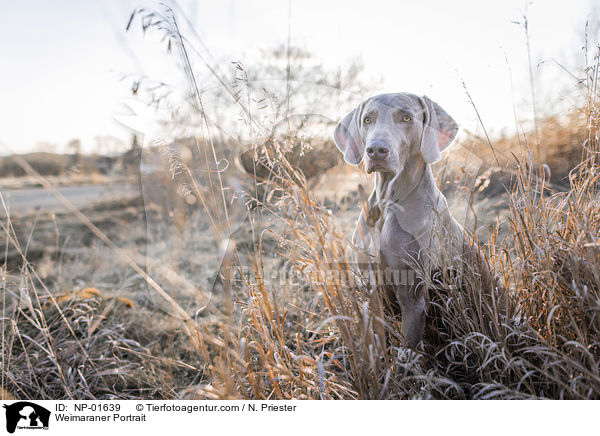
x=20, y=201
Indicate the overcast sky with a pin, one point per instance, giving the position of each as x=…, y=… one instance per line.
x=61, y=60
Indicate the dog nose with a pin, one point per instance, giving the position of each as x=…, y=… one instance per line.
x=378, y=150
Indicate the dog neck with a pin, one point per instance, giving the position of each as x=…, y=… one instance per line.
x=399, y=187
x=411, y=195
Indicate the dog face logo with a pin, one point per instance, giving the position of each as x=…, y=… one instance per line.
x=24, y=414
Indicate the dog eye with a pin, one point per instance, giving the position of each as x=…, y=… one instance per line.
x=367, y=120
x=407, y=118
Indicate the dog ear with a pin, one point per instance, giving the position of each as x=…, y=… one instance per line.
x=347, y=136
x=439, y=129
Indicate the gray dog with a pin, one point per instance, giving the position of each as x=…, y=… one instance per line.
x=406, y=224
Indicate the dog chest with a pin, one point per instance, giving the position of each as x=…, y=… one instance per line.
x=397, y=245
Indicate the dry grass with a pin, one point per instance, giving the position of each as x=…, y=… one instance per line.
x=313, y=330
x=543, y=345
x=563, y=147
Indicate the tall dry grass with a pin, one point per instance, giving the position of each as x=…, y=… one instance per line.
x=316, y=331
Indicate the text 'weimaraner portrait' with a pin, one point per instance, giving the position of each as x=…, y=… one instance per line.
x=406, y=224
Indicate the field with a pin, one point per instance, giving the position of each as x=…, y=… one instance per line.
x=227, y=276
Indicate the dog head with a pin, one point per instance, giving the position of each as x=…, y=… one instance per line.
x=386, y=130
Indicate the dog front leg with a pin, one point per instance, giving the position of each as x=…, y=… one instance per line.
x=413, y=319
